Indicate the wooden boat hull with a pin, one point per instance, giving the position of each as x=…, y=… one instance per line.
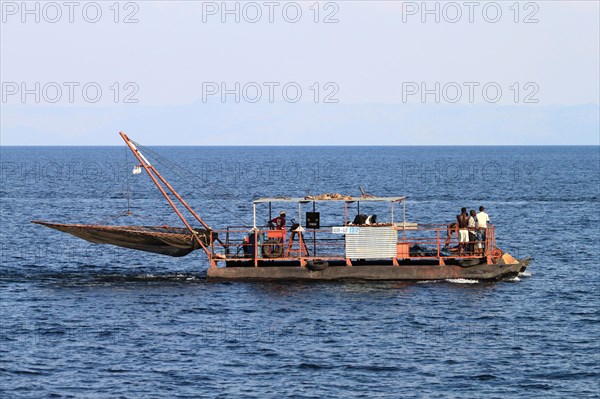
x=369, y=272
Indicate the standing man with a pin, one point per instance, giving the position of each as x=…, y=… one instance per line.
x=472, y=230
x=482, y=221
x=463, y=230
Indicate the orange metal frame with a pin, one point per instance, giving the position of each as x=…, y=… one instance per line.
x=433, y=236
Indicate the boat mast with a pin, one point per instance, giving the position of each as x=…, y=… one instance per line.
x=155, y=176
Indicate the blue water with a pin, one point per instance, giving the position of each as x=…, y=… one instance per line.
x=83, y=320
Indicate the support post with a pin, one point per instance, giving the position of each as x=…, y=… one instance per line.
x=441, y=260
x=255, y=246
x=315, y=233
x=345, y=213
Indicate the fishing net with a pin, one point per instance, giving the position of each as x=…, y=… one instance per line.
x=165, y=240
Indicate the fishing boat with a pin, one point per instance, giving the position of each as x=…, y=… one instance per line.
x=353, y=246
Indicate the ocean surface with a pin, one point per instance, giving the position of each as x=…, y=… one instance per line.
x=85, y=320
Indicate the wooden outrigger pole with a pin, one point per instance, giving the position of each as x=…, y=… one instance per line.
x=153, y=173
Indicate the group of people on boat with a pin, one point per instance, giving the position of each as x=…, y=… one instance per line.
x=471, y=230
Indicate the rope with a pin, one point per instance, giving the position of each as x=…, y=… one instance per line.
x=128, y=197
x=113, y=217
x=178, y=170
x=127, y=181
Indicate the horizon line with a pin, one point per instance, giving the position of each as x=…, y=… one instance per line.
x=297, y=145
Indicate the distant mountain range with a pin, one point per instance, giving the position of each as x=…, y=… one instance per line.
x=303, y=124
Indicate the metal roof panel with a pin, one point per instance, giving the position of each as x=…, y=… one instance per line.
x=305, y=199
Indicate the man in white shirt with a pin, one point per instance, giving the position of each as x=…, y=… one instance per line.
x=482, y=221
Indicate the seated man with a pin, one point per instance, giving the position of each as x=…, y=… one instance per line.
x=278, y=223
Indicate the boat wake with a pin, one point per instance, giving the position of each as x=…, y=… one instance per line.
x=518, y=277
x=462, y=281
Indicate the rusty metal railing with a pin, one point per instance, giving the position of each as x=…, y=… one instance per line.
x=243, y=244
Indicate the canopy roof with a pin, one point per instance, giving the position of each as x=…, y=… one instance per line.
x=343, y=199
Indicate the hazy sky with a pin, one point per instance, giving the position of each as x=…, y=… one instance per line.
x=62, y=74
